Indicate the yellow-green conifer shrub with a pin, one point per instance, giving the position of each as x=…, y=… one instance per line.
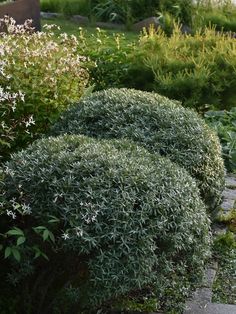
x=158, y=124
x=196, y=69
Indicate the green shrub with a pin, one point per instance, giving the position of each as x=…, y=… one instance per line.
x=195, y=69
x=222, y=15
x=47, y=71
x=66, y=7
x=158, y=124
x=224, y=123
x=98, y=219
x=109, y=64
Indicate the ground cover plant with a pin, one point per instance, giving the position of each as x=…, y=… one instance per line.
x=84, y=222
x=40, y=76
x=224, y=123
x=224, y=288
x=157, y=123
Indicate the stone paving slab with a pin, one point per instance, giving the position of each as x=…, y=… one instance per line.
x=229, y=194
x=230, y=181
x=210, y=308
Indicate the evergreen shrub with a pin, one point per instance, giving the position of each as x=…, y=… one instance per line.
x=99, y=219
x=157, y=123
x=196, y=70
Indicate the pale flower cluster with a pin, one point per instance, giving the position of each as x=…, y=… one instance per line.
x=41, y=74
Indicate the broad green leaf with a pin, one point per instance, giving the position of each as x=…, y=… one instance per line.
x=8, y=252
x=39, y=228
x=20, y=240
x=45, y=235
x=15, y=232
x=51, y=236
x=16, y=254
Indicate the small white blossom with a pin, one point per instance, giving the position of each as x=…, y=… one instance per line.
x=65, y=236
x=10, y=213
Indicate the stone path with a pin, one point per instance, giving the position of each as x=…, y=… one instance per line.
x=201, y=300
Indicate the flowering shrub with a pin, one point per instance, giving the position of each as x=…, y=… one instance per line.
x=11, y=126
x=100, y=219
x=158, y=124
x=47, y=71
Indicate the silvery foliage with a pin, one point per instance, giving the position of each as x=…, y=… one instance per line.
x=135, y=218
x=157, y=123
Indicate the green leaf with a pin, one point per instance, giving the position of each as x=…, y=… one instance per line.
x=20, y=240
x=39, y=228
x=8, y=252
x=1, y=247
x=16, y=254
x=15, y=232
x=45, y=235
x=51, y=236
x=37, y=254
x=45, y=256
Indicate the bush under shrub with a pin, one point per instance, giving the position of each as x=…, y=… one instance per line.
x=99, y=219
x=158, y=124
x=49, y=73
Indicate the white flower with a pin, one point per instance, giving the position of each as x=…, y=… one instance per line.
x=26, y=209
x=10, y=213
x=65, y=236
x=79, y=232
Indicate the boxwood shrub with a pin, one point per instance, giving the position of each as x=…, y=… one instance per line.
x=99, y=219
x=157, y=123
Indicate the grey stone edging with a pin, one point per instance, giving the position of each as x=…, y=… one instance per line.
x=200, y=302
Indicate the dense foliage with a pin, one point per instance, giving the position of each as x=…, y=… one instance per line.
x=39, y=77
x=194, y=14
x=195, y=69
x=224, y=123
x=183, y=67
x=158, y=124
x=121, y=11
x=100, y=218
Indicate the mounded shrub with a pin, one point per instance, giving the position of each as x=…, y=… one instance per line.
x=110, y=217
x=159, y=124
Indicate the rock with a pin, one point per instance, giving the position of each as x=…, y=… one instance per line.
x=185, y=29
x=82, y=20
x=146, y=24
x=110, y=25
x=209, y=277
x=229, y=194
x=230, y=181
x=49, y=15
x=210, y=308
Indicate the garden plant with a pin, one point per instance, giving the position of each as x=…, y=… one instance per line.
x=39, y=77
x=157, y=123
x=109, y=210
x=93, y=221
